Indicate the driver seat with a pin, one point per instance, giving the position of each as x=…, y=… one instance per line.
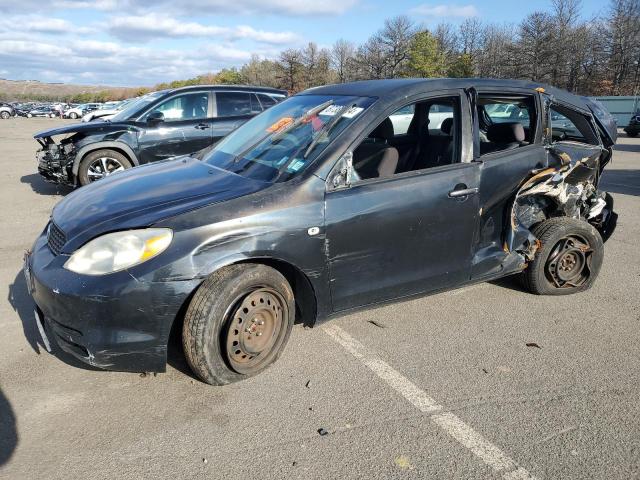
x=374, y=157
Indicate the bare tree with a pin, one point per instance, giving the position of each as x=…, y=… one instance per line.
x=342, y=58
x=395, y=39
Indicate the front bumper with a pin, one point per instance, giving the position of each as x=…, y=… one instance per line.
x=115, y=322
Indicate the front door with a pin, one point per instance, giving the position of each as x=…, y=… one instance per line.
x=410, y=233
x=184, y=127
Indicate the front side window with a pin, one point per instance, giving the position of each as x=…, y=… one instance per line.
x=188, y=106
x=285, y=139
x=432, y=140
x=401, y=119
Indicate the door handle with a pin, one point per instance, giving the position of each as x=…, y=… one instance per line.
x=202, y=126
x=462, y=192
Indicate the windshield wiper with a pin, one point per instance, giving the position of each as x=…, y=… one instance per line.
x=326, y=129
x=304, y=117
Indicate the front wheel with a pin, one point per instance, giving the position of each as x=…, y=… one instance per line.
x=238, y=323
x=5, y=115
x=73, y=115
x=568, y=260
x=101, y=163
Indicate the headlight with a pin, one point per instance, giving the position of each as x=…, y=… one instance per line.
x=119, y=250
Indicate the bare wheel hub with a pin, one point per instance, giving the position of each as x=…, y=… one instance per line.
x=569, y=262
x=254, y=328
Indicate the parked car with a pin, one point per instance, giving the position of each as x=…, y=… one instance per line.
x=81, y=110
x=633, y=128
x=45, y=111
x=156, y=126
x=313, y=208
x=6, y=111
x=107, y=110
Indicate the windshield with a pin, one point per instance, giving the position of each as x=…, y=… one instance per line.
x=136, y=105
x=282, y=141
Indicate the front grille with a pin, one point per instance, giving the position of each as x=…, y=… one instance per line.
x=55, y=238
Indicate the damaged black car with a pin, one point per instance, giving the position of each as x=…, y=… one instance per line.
x=156, y=126
x=320, y=206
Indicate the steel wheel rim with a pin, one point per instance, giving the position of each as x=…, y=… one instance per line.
x=103, y=167
x=255, y=326
x=569, y=264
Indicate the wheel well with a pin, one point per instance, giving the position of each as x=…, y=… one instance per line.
x=306, y=302
x=115, y=149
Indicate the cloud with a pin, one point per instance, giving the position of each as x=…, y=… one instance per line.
x=447, y=11
x=148, y=27
x=109, y=63
x=186, y=7
x=37, y=24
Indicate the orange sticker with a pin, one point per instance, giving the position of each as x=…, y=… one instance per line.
x=280, y=124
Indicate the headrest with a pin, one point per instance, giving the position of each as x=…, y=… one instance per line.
x=383, y=131
x=446, y=126
x=508, y=132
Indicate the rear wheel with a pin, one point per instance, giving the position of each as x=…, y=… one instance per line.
x=238, y=323
x=101, y=163
x=73, y=115
x=4, y=115
x=568, y=260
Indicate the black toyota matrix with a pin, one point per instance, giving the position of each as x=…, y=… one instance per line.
x=153, y=127
x=327, y=202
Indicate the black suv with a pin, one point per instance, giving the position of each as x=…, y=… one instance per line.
x=634, y=125
x=153, y=127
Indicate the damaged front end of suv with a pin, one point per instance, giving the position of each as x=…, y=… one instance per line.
x=55, y=160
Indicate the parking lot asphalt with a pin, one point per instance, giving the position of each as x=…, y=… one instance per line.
x=442, y=386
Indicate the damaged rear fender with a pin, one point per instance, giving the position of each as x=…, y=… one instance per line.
x=568, y=188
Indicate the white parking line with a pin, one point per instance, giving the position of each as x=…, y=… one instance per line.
x=450, y=423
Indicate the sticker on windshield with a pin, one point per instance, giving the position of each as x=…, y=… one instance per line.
x=280, y=124
x=331, y=110
x=297, y=165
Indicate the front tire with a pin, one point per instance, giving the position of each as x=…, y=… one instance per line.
x=238, y=323
x=568, y=260
x=73, y=115
x=101, y=163
x=5, y=115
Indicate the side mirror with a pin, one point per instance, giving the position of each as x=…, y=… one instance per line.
x=155, y=117
x=343, y=172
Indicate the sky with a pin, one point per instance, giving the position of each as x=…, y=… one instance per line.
x=144, y=42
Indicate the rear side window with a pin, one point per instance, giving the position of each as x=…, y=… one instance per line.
x=567, y=124
x=232, y=104
x=506, y=121
x=266, y=100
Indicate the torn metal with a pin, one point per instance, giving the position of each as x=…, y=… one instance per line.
x=568, y=189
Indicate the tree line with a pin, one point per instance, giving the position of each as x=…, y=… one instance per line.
x=588, y=56
x=593, y=56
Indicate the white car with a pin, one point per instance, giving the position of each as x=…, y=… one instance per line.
x=80, y=110
x=107, y=110
x=402, y=118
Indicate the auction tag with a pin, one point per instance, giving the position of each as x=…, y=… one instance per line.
x=331, y=110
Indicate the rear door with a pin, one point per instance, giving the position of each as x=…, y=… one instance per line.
x=503, y=170
x=186, y=127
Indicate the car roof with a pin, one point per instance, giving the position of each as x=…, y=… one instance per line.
x=409, y=86
x=234, y=88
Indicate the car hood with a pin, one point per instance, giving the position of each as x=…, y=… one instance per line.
x=81, y=127
x=144, y=195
